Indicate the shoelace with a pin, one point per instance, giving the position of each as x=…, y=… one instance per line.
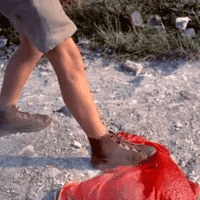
x=120, y=141
x=26, y=114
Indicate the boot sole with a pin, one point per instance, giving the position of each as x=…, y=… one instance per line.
x=8, y=130
x=109, y=166
x=106, y=167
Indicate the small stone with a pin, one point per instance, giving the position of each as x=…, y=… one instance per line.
x=162, y=96
x=174, y=158
x=53, y=172
x=193, y=172
x=3, y=42
x=174, y=105
x=40, y=74
x=137, y=19
x=186, y=95
x=39, y=184
x=77, y=144
x=65, y=111
x=190, y=32
x=134, y=101
x=131, y=66
x=57, y=150
x=26, y=148
x=94, y=173
x=183, y=164
x=172, y=77
x=81, y=174
x=184, y=77
x=85, y=67
x=179, y=124
x=95, y=90
x=181, y=22
x=46, y=82
x=2, y=65
x=59, y=182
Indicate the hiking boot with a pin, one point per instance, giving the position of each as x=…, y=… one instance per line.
x=12, y=121
x=111, y=151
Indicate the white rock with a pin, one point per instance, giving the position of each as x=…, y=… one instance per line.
x=148, y=75
x=3, y=42
x=136, y=19
x=181, y=22
x=81, y=174
x=183, y=164
x=132, y=67
x=26, y=148
x=179, y=124
x=154, y=21
x=174, y=158
x=190, y=32
x=134, y=101
x=173, y=105
x=172, y=77
x=184, y=77
x=2, y=65
x=53, y=172
x=94, y=173
x=59, y=182
x=77, y=144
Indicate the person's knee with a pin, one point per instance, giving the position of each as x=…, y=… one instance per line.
x=66, y=52
x=25, y=42
x=27, y=46
x=67, y=47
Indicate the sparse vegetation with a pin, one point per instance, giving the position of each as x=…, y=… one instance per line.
x=100, y=22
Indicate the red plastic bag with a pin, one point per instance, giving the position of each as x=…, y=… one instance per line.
x=161, y=179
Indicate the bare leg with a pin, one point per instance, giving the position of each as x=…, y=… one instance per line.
x=69, y=67
x=67, y=62
x=18, y=71
x=70, y=71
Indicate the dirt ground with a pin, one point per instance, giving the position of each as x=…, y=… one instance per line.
x=161, y=104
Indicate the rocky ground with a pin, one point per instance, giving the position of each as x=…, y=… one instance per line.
x=161, y=104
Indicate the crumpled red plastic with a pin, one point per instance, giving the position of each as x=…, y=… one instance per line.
x=161, y=179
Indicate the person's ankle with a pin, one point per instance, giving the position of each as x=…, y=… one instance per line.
x=5, y=103
x=97, y=137
x=5, y=106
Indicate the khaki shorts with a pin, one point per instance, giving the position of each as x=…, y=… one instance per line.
x=44, y=22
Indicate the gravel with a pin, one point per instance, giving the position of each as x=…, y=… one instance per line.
x=160, y=104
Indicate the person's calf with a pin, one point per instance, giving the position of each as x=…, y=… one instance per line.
x=18, y=71
x=64, y=54
x=68, y=64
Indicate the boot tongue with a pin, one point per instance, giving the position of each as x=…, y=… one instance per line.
x=111, y=135
x=102, y=137
x=115, y=139
x=6, y=107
